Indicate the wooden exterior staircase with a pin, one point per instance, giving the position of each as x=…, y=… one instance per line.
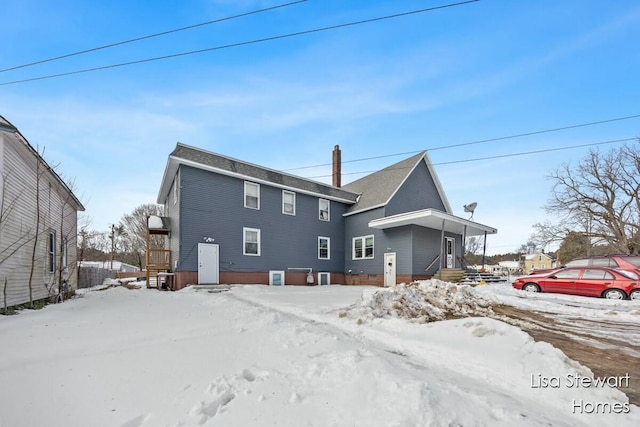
x=158, y=257
x=453, y=275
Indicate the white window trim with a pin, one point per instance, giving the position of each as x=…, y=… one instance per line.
x=244, y=241
x=323, y=273
x=271, y=277
x=328, y=239
x=320, y=209
x=51, y=251
x=364, y=248
x=249, y=184
x=294, y=202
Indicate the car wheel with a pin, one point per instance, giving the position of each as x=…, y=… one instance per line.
x=531, y=287
x=634, y=295
x=615, y=294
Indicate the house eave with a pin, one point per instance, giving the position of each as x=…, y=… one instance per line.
x=174, y=162
x=431, y=218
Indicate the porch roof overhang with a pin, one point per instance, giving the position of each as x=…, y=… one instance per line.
x=431, y=218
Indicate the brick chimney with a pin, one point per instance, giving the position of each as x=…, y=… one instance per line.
x=337, y=166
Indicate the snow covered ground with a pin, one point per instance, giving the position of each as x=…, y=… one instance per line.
x=298, y=356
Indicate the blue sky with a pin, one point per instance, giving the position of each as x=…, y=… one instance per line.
x=477, y=71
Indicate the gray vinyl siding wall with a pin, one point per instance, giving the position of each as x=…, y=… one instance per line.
x=17, y=229
x=427, y=245
x=212, y=205
x=172, y=211
x=418, y=192
x=358, y=226
x=400, y=241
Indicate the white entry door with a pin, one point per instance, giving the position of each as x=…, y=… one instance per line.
x=450, y=252
x=390, y=269
x=208, y=264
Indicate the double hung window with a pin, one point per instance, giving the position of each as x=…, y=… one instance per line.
x=251, y=195
x=251, y=241
x=362, y=247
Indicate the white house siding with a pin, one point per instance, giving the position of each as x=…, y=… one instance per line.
x=18, y=228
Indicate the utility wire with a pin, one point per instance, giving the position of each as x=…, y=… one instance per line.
x=501, y=156
x=245, y=43
x=163, y=33
x=482, y=141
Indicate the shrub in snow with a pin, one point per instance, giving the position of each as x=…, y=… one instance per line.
x=424, y=301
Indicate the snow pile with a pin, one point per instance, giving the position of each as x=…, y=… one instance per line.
x=423, y=302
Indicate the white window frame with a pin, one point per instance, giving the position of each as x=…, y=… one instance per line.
x=293, y=195
x=324, y=274
x=51, y=251
x=328, y=239
x=244, y=241
x=248, y=184
x=320, y=210
x=273, y=273
x=363, y=240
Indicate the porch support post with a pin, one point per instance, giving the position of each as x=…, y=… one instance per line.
x=484, y=248
x=464, y=246
x=441, y=251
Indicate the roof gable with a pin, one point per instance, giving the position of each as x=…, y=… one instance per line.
x=21, y=143
x=379, y=188
x=206, y=160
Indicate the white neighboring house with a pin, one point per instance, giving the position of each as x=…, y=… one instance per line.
x=510, y=266
x=119, y=266
x=28, y=185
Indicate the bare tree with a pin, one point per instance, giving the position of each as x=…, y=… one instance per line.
x=474, y=245
x=601, y=195
x=135, y=230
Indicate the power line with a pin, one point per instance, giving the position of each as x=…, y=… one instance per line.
x=482, y=141
x=163, y=33
x=238, y=44
x=501, y=156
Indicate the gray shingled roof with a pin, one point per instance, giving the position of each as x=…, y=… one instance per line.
x=260, y=173
x=376, y=189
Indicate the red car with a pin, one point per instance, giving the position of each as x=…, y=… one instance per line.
x=588, y=281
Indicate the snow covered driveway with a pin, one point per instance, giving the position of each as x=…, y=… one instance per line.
x=292, y=356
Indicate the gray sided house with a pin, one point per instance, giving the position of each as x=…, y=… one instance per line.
x=234, y=222
x=38, y=223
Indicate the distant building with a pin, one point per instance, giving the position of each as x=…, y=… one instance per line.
x=538, y=261
x=511, y=266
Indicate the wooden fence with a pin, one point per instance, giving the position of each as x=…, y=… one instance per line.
x=89, y=276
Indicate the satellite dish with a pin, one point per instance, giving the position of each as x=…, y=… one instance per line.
x=470, y=208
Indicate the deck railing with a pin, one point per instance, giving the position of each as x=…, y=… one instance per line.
x=158, y=259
